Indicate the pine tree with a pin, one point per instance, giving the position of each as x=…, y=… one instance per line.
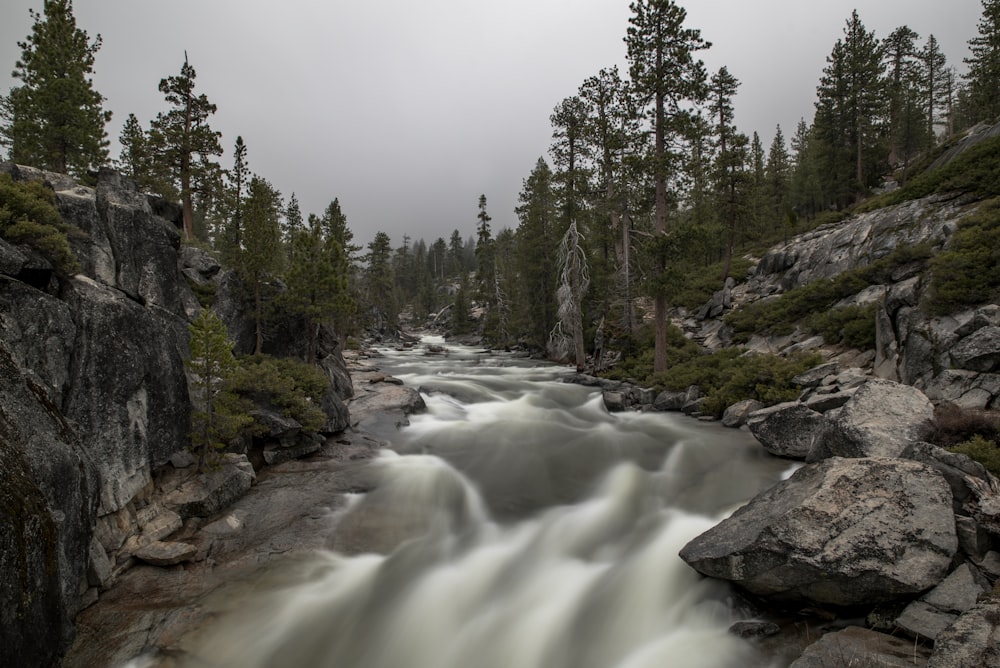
x=731, y=178
x=905, y=135
x=933, y=77
x=382, y=308
x=55, y=119
x=260, y=256
x=536, y=242
x=778, y=175
x=134, y=160
x=219, y=415
x=231, y=237
x=664, y=72
x=335, y=227
x=183, y=142
x=317, y=284
x=983, y=76
x=848, y=115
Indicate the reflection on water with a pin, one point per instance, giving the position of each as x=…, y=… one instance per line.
x=524, y=526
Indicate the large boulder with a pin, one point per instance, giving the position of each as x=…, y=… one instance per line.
x=841, y=532
x=857, y=646
x=880, y=420
x=48, y=505
x=788, y=429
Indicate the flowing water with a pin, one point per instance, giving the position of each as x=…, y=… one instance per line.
x=534, y=530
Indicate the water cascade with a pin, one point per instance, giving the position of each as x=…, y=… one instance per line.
x=531, y=529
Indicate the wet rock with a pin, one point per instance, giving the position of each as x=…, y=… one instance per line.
x=857, y=646
x=754, y=629
x=972, y=641
x=162, y=553
x=839, y=532
x=788, y=429
x=669, y=401
x=208, y=493
x=880, y=420
x=736, y=415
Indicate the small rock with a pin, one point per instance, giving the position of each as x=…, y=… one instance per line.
x=754, y=629
x=161, y=553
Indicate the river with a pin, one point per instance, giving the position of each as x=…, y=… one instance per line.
x=534, y=530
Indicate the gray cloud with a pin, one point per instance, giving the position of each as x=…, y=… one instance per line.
x=407, y=111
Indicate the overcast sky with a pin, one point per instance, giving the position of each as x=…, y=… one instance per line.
x=407, y=110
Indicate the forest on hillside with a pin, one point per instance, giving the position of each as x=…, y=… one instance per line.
x=648, y=199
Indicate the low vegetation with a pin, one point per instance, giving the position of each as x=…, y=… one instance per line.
x=724, y=376
x=968, y=271
x=975, y=433
x=28, y=216
x=813, y=306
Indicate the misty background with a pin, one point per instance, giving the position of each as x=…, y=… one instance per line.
x=408, y=111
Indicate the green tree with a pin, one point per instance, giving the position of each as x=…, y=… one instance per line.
x=905, y=131
x=383, y=311
x=537, y=241
x=260, y=256
x=777, y=173
x=934, y=66
x=317, y=284
x=983, y=76
x=849, y=114
x=56, y=120
x=335, y=227
x=731, y=178
x=665, y=73
x=183, y=142
x=134, y=159
x=231, y=238
x=219, y=415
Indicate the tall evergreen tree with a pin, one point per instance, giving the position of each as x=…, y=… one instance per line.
x=134, y=158
x=983, y=76
x=55, y=118
x=537, y=242
x=730, y=168
x=778, y=175
x=317, y=284
x=382, y=308
x=231, y=237
x=183, y=141
x=848, y=115
x=934, y=65
x=335, y=226
x=661, y=54
x=260, y=257
x=901, y=63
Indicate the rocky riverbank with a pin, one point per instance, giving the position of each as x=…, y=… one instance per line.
x=292, y=508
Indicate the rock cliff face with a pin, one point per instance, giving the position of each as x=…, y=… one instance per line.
x=93, y=398
x=954, y=358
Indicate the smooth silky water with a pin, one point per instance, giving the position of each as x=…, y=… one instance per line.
x=534, y=530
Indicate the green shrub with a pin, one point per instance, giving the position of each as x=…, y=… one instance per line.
x=290, y=386
x=983, y=451
x=811, y=306
x=853, y=326
x=968, y=271
x=28, y=216
x=730, y=375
